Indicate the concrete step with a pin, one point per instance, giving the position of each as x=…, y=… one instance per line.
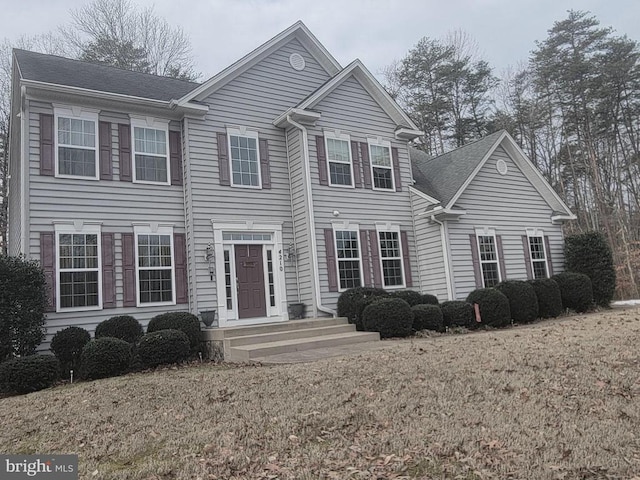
x=289, y=335
x=229, y=332
x=246, y=353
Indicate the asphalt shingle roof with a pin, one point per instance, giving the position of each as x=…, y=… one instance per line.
x=441, y=177
x=75, y=73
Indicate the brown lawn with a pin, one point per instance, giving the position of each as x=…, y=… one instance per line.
x=557, y=399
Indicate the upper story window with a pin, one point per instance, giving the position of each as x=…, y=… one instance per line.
x=489, y=264
x=150, y=151
x=538, y=254
x=244, y=157
x=381, y=166
x=391, y=257
x=339, y=160
x=76, y=143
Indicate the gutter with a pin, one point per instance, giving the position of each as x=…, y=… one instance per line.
x=312, y=222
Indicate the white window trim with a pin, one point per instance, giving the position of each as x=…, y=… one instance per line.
x=85, y=229
x=347, y=227
x=244, y=132
x=536, y=232
x=488, y=232
x=159, y=230
x=154, y=124
x=76, y=113
x=378, y=142
x=336, y=135
x=396, y=229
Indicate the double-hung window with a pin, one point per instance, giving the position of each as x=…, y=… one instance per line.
x=244, y=157
x=381, y=166
x=391, y=257
x=76, y=143
x=150, y=151
x=339, y=161
x=154, y=265
x=348, y=258
x=488, y=256
x=538, y=254
x=78, y=260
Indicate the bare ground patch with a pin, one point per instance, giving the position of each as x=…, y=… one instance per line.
x=553, y=400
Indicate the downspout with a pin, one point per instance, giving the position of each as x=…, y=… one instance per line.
x=188, y=218
x=445, y=254
x=293, y=217
x=24, y=169
x=415, y=238
x=312, y=222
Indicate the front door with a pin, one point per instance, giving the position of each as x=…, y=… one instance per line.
x=250, y=281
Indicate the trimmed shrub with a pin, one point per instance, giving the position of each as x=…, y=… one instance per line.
x=105, y=357
x=428, y=299
x=163, y=347
x=361, y=304
x=67, y=345
x=494, y=306
x=123, y=327
x=29, y=374
x=392, y=317
x=183, y=321
x=575, y=290
x=410, y=296
x=589, y=253
x=523, y=302
x=347, y=302
x=427, y=317
x=549, y=298
x=23, y=298
x=456, y=313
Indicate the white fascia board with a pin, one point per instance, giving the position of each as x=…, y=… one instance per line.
x=298, y=115
x=421, y=194
x=297, y=30
x=407, y=134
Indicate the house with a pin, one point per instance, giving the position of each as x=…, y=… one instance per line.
x=284, y=179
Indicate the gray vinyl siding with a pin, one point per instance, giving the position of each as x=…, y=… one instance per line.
x=352, y=110
x=15, y=160
x=509, y=204
x=253, y=100
x=116, y=204
x=430, y=256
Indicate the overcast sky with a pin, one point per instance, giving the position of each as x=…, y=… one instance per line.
x=376, y=31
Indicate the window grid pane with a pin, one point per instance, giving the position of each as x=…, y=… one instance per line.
x=76, y=161
x=150, y=140
x=151, y=169
x=272, y=285
x=348, y=258
x=339, y=162
x=490, y=274
x=155, y=268
x=382, y=178
x=489, y=260
x=340, y=173
x=244, y=161
x=227, y=280
x=78, y=289
x=380, y=156
x=391, y=259
x=76, y=147
x=78, y=270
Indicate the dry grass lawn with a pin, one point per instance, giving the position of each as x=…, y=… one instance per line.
x=557, y=399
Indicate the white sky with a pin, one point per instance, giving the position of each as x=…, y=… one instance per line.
x=376, y=31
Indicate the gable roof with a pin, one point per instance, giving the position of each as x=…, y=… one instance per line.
x=298, y=31
x=369, y=82
x=446, y=176
x=52, y=69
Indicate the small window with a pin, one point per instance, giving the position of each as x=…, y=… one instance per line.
x=488, y=260
x=381, y=166
x=78, y=269
x=538, y=256
x=391, y=258
x=339, y=160
x=348, y=255
x=76, y=148
x=154, y=260
x=150, y=151
x=244, y=158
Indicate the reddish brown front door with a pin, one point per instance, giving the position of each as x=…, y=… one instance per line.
x=250, y=278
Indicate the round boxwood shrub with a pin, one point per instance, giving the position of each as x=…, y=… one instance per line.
x=361, y=304
x=67, y=345
x=494, y=306
x=427, y=317
x=549, y=298
x=347, y=301
x=428, y=299
x=456, y=313
x=163, y=347
x=523, y=302
x=29, y=374
x=183, y=321
x=105, y=357
x=410, y=296
x=575, y=290
x=123, y=327
x=589, y=253
x=392, y=317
